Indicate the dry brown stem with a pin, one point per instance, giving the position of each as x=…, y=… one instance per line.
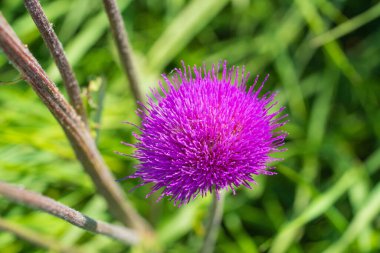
x=74, y=128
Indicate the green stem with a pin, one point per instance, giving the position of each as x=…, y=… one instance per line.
x=213, y=225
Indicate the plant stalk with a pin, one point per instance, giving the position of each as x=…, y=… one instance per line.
x=123, y=46
x=56, y=50
x=215, y=218
x=68, y=214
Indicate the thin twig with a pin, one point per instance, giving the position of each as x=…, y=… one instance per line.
x=68, y=214
x=16, y=80
x=99, y=108
x=216, y=213
x=34, y=238
x=123, y=46
x=56, y=50
x=74, y=128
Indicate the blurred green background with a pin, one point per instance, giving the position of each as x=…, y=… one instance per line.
x=324, y=60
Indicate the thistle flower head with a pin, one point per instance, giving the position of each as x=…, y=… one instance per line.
x=206, y=133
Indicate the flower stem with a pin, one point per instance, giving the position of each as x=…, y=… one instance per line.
x=34, y=238
x=56, y=50
x=213, y=225
x=66, y=213
x=123, y=46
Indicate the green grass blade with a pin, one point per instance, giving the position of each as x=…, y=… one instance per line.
x=332, y=49
x=369, y=211
x=194, y=17
x=321, y=204
x=347, y=27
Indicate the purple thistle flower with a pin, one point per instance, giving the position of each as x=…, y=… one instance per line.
x=206, y=134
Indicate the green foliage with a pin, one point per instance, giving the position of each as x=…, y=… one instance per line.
x=323, y=57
